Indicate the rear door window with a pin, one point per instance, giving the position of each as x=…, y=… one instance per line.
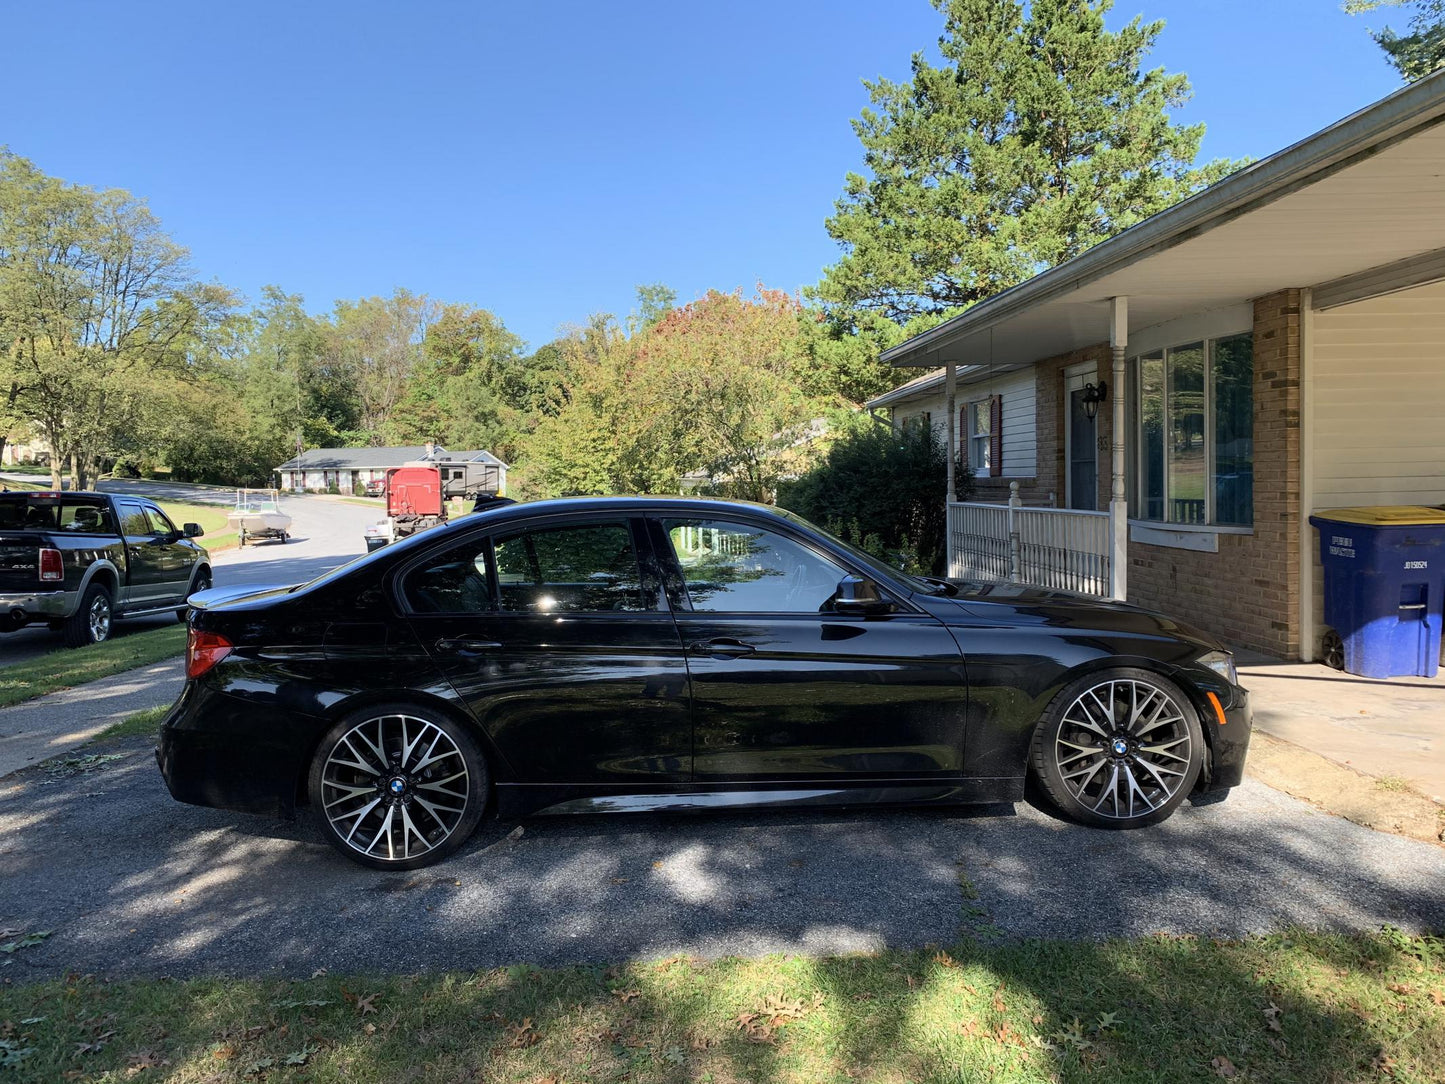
x=455, y=581
x=581, y=568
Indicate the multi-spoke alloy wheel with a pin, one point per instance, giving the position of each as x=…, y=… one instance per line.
x=398, y=787
x=1120, y=749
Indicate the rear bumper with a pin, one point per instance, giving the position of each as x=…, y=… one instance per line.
x=36, y=606
x=221, y=751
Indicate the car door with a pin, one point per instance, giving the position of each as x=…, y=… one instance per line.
x=784, y=688
x=557, y=635
x=175, y=557
x=144, y=559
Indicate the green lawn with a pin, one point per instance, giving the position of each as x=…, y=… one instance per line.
x=1290, y=1007
x=65, y=667
x=211, y=517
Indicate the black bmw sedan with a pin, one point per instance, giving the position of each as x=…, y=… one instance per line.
x=651, y=653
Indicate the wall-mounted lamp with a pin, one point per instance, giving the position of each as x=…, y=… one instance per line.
x=1094, y=394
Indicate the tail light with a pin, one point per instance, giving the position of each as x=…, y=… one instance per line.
x=204, y=650
x=52, y=565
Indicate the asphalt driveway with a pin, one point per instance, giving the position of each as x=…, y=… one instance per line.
x=133, y=883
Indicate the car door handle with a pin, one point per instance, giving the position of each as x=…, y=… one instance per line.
x=722, y=645
x=466, y=645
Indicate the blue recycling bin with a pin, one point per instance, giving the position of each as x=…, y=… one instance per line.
x=1384, y=581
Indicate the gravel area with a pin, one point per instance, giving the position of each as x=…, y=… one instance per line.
x=134, y=883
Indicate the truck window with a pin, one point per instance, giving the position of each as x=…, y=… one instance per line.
x=70, y=515
x=159, y=523
x=133, y=523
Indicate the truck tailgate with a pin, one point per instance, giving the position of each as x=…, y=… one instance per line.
x=20, y=561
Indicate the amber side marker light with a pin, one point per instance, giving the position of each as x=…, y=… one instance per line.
x=1218, y=708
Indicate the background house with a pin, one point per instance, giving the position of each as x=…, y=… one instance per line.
x=321, y=468
x=1272, y=346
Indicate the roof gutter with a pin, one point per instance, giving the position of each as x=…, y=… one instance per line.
x=1410, y=110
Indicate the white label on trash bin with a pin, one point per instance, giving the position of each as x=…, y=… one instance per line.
x=1416, y=564
x=1340, y=546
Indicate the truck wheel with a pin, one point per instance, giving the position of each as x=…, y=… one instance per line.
x=90, y=624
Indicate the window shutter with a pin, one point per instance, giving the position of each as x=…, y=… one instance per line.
x=995, y=436
x=964, y=439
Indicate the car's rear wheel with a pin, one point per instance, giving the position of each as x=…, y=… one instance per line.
x=1119, y=749
x=91, y=622
x=398, y=786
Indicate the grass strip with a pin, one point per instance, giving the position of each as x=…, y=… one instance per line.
x=65, y=668
x=1297, y=1006
x=141, y=724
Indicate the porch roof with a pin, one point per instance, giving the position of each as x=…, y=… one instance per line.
x=1366, y=193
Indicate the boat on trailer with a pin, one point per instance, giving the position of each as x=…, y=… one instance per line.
x=258, y=516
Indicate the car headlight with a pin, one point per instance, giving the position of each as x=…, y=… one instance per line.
x=1222, y=663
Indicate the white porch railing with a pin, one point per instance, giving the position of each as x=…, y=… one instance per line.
x=1059, y=548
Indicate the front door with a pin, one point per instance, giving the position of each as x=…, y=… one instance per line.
x=1083, y=458
x=785, y=689
x=558, y=638
x=145, y=559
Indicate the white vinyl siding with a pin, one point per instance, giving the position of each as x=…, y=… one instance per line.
x=1017, y=390
x=1376, y=399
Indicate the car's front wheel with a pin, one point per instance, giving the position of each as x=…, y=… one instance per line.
x=398, y=786
x=1119, y=749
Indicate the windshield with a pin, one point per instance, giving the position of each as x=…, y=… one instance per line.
x=913, y=583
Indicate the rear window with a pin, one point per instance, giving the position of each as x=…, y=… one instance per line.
x=61, y=515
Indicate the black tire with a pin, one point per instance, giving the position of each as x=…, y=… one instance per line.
x=93, y=618
x=202, y=582
x=1332, y=650
x=1089, y=758
x=448, y=806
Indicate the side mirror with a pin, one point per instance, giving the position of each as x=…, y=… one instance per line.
x=192, y=530
x=857, y=597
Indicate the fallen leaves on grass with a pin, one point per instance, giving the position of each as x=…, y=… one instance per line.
x=1223, y=1066
x=142, y=1060
x=520, y=1036
x=364, y=1004
x=761, y=1026
x=1271, y=1017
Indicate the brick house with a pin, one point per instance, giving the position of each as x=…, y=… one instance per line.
x=1174, y=403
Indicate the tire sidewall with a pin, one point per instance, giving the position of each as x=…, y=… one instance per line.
x=1045, y=763
x=76, y=629
x=478, y=774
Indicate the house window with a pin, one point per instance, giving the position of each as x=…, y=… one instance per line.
x=1194, y=412
x=978, y=430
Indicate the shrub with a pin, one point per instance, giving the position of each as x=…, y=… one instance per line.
x=333, y=489
x=884, y=490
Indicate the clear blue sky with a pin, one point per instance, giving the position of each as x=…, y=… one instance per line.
x=541, y=160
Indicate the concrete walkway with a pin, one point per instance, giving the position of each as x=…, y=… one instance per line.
x=1391, y=728
x=54, y=724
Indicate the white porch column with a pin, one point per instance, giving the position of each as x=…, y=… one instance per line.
x=950, y=388
x=1118, y=503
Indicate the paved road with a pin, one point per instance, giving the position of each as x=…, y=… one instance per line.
x=325, y=533
x=133, y=883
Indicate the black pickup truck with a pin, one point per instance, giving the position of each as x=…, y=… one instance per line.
x=78, y=561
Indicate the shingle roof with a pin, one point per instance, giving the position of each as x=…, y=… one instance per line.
x=379, y=458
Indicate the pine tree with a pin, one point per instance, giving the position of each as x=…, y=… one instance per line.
x=1421, y=51
x=1040, y=136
